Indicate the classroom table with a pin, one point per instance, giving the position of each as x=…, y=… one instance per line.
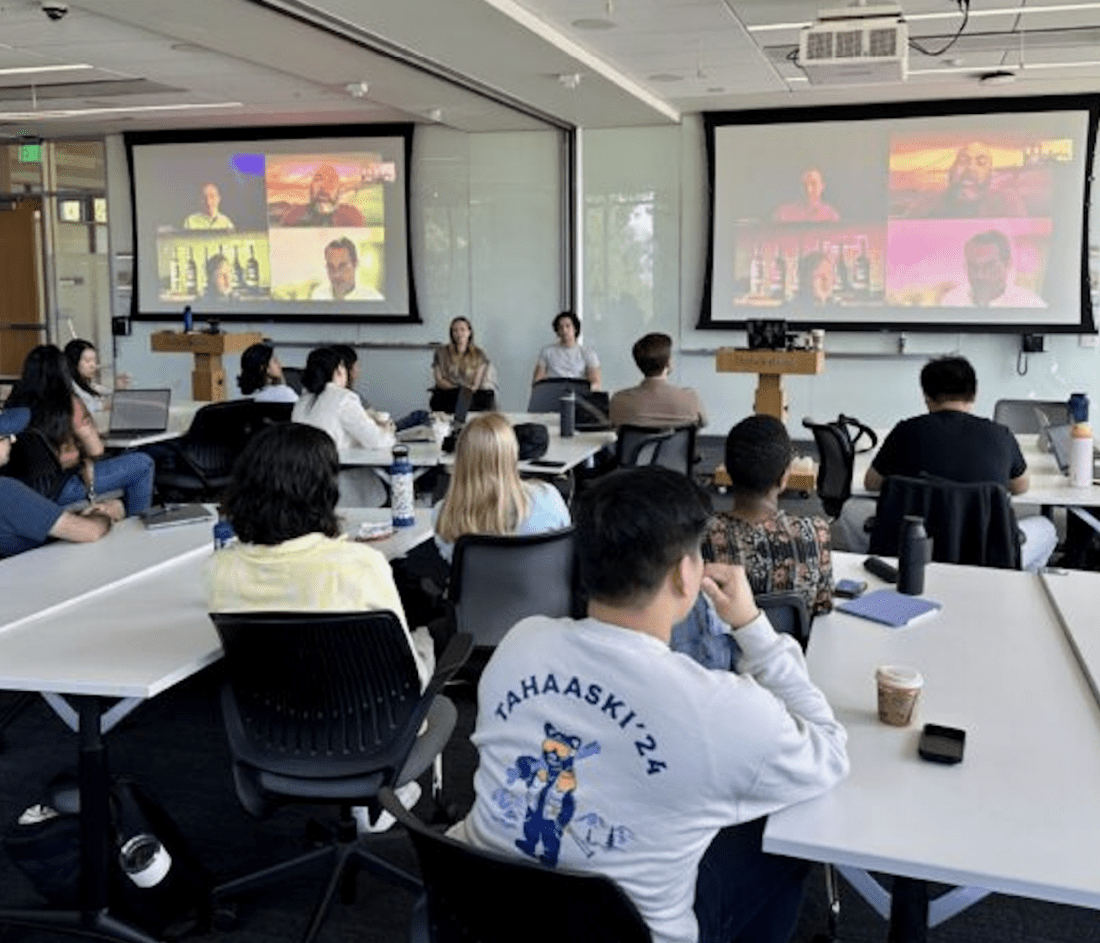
x=1019, y=815
x=135, y=640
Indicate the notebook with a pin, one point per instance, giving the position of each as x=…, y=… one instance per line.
x=172, y=515
x=889, y=607
x=1060, y=437
x=139, y=412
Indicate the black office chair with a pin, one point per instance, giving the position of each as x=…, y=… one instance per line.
x=788, y=613
x=292, y=377
x=837, y=444
x=444, y=401
x=670, y=448
x=34, y=462
x=471, y=894
x=971, y=523
x=1024, y=416
x=546, y=394
x=496, y=580
x=327, y=708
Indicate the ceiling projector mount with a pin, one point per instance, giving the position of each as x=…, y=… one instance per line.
x=856, y=45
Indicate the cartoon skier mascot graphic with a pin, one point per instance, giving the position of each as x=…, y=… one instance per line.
x=551, y=783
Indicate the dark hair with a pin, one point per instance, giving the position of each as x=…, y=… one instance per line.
x=74, y=350
x=807, y=265
x=212, y=265
x=254, y=363
x=284, y=485
x=572, y=317
x=345, y=243
x=46, y=388
x=633, y=526
x=652, y=353
x=321, y=364
x=758, y=452
x=992, y=237
x=348, y=357
x=949, y=378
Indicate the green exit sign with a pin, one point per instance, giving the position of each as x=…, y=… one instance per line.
x=30, y=153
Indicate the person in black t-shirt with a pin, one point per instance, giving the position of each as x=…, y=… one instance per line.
x=949, y=442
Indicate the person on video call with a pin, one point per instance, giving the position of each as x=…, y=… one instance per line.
x=988, y=263
x=816, y=280
x=324, y=207
x=219, y=279
x=212, y=217
x=342, y=265
x=969, y=192
x=810, y=209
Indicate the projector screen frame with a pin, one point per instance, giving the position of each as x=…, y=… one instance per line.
x=712, y=121
x=257, y=136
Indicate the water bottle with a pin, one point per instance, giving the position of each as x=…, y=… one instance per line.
x=188, y=321
x=224, y=535
x=568, y=414
x=401, y=488
x=1078, y=406
x=141, y=855
x=1080, y=455
x=914, y=553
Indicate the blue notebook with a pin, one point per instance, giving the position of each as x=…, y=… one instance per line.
x=889, y=607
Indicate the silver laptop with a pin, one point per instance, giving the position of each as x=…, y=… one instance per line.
x=172, y=515
x=139, y=412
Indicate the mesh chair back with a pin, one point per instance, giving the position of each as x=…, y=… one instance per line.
x=483, y=905
x=319, y=695
x=970, y=523
x=546, y=394
x=836, y=450
x=669, y=448
x=788, y=613
x=498, y=580
x=1024, y=416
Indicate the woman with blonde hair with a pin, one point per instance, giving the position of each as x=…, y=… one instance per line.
x=487, y=495
x=461, y=363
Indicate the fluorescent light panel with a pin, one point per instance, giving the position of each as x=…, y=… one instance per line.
x=47, y=115
x=36, y=69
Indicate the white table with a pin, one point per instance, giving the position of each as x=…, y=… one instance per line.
x=568, y=453
x=147, y=633
x=1074, y=594
x=1020, y=814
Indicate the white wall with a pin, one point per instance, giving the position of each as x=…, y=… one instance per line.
x=486, y=245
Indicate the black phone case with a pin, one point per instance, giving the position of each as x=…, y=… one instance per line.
x=941, y=744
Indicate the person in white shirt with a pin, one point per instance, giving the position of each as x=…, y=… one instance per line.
x=261, y=376
x=600, y=749
x=344, y=278
x=328, y=404
x=988, y=269
x=568, y=357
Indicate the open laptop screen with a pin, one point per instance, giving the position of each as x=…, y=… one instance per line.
x=139, y=411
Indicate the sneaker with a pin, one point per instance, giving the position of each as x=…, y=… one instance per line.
x=408, y=795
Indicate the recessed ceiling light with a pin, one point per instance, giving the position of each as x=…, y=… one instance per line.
x=188, y=47
x=593, y=23
x=35, y=69
x=665, y=77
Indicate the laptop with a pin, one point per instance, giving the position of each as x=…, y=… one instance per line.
x=1060, y=436
x=592, y=409
x=139, y=412
x=172, y=515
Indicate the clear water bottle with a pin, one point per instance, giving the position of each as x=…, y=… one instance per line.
x=401, y=488
x=914, y=553
x=224, y=536
x=568, y=414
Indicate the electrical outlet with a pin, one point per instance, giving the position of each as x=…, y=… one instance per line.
x=1086, y=340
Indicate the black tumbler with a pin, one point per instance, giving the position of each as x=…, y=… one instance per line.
x=914, y=552
x=568, y=414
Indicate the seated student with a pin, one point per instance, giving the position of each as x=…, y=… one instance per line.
x=949, y=442
x=84, y=369
x=656, y=402
x=568, y=357
x=778, y=551
x=27, y=519
x=328, y=404
x=60, y=453
x=461, y=363
x=261, y=376
x=486, y=494
x=597, y=721
x=292, y=555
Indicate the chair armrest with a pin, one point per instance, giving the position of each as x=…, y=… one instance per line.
x=454, y=657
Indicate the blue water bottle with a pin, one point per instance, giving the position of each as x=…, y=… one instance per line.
x=188, y=321
x=224, y=535
x=401, y=488
x=1078, y=406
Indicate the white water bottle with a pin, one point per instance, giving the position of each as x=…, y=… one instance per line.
x=401, y=488
x=1080, y=456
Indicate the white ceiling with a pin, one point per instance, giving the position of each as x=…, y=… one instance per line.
x=229, y=63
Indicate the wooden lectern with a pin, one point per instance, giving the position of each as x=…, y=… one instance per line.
x=770, y=365
x=208, y=377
